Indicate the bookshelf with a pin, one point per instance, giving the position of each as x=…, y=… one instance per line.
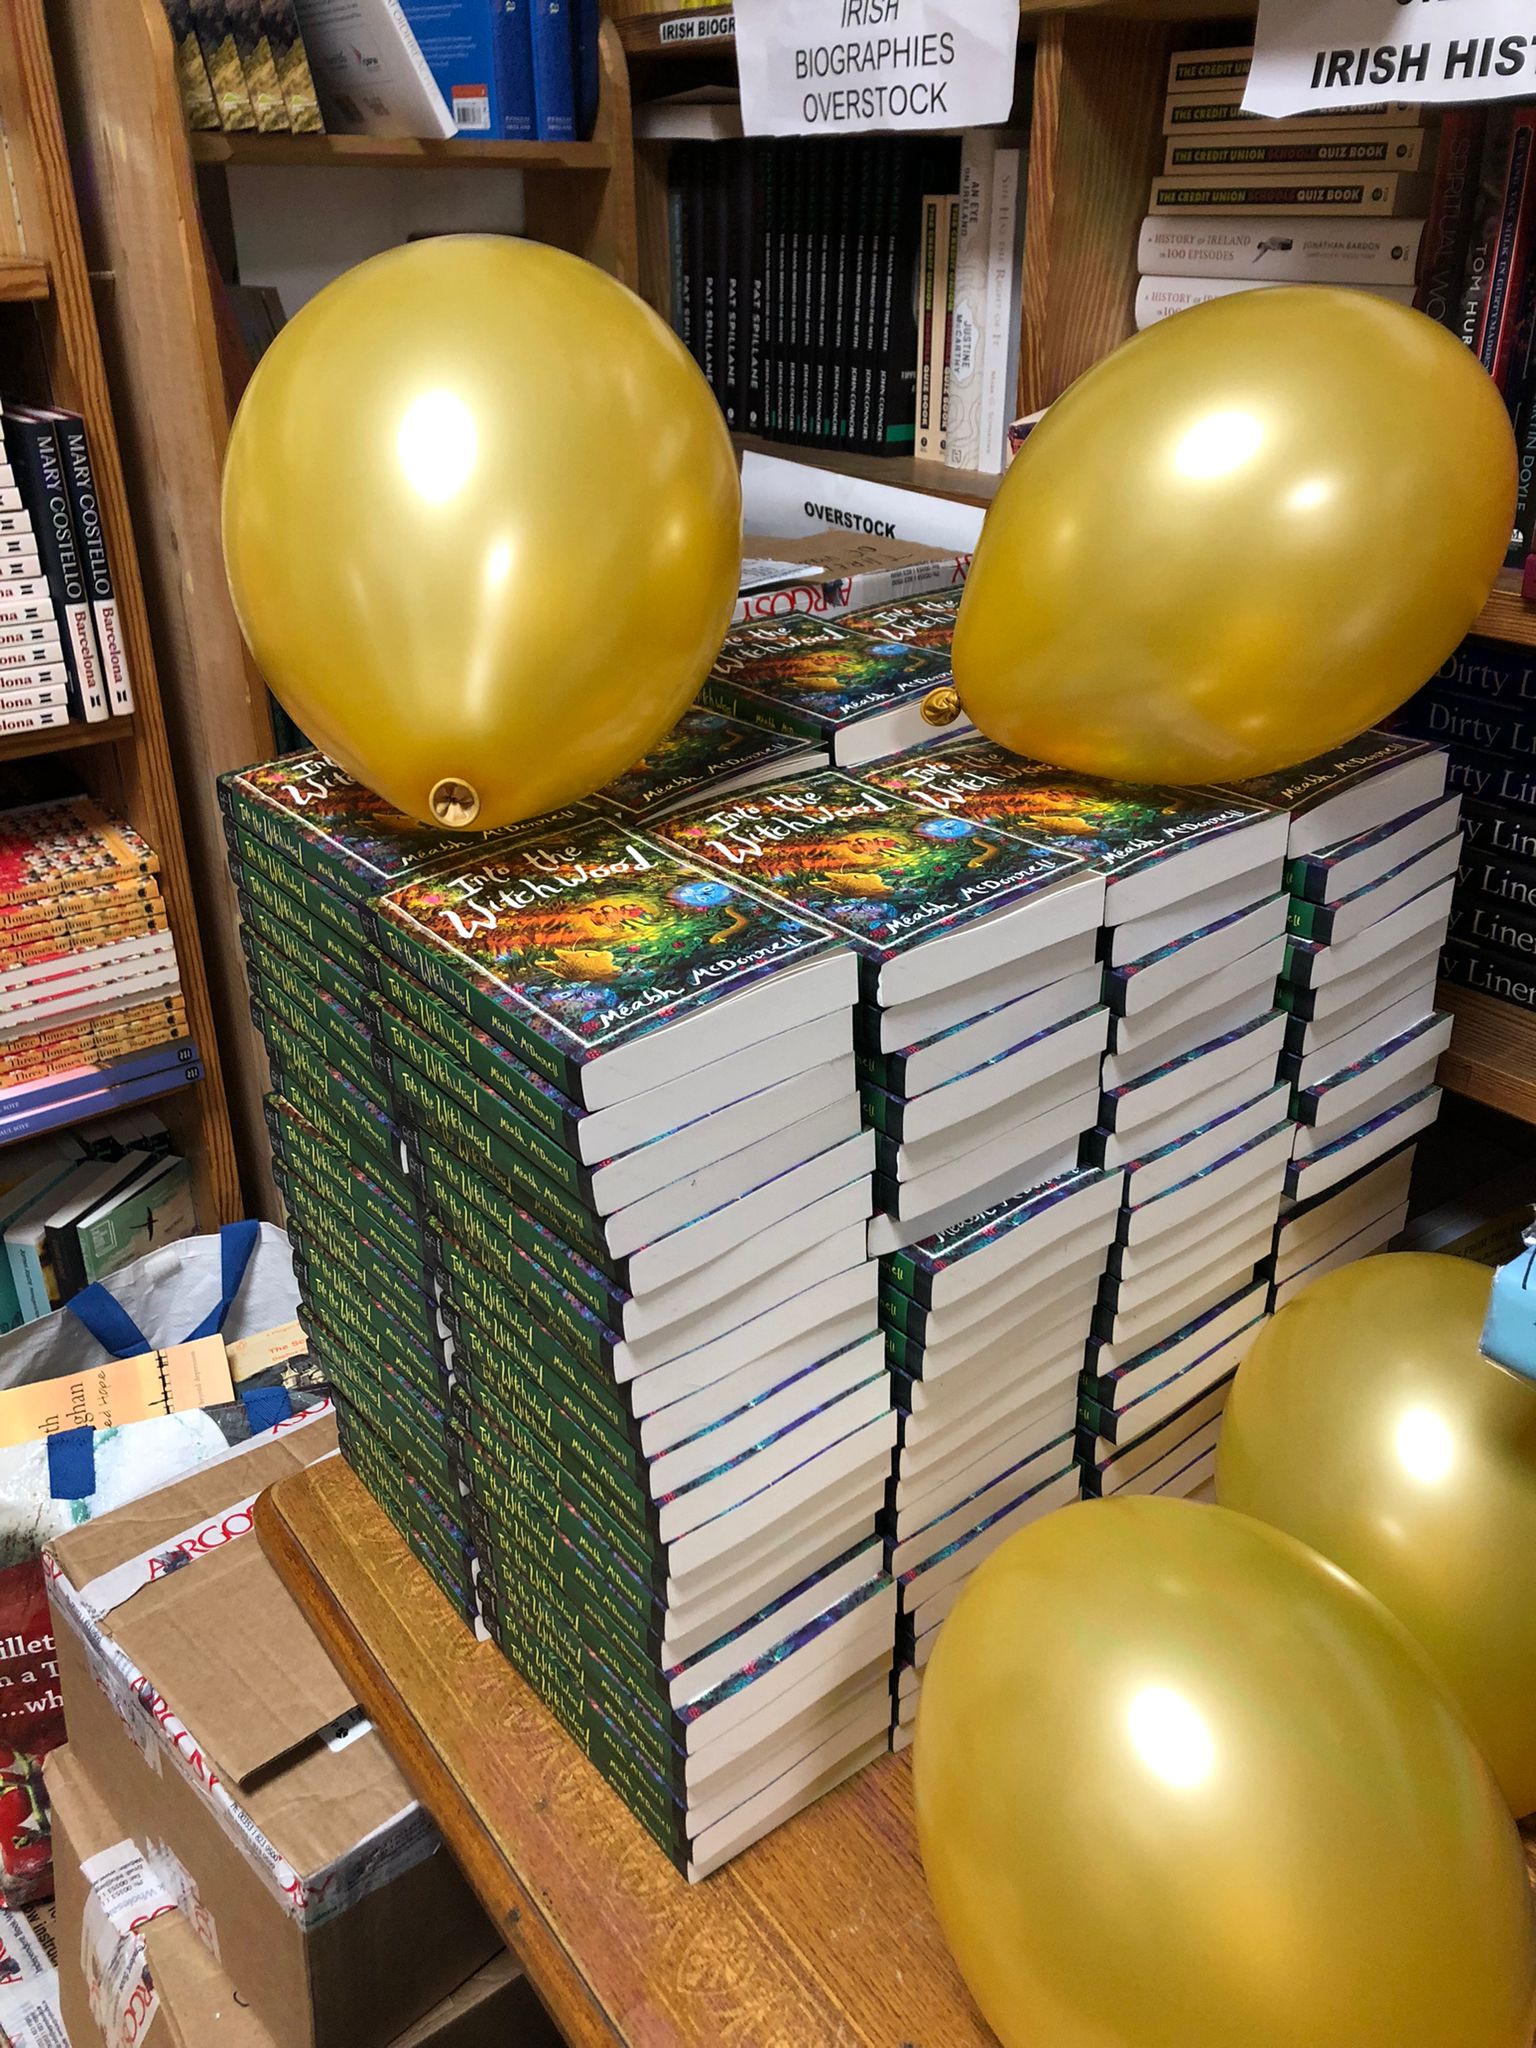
x=49, y=321
x=154, y=202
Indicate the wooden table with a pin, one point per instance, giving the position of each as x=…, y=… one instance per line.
x=820, y=1937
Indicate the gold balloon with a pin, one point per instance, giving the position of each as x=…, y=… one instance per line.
x=1366, y=1422
x=482, y=526
x=1246, y=536
x=1181, y=1784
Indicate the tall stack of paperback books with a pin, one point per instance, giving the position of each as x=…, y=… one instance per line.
x=1479, y=707
x=851, y=687
x=1190, y=1130
x=981, y=1035
x=1371, y=858
x=61, y=651
x=91, y=1015
x=620, y=1144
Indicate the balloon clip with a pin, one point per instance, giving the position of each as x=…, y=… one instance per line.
x=1509, y=1334
x=941, y=707
x=454, y=804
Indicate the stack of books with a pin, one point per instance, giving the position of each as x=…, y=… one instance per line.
x=851, y=688
x=629, y=1166
x=1189, y=1120
x=981, y=1034
x=1477, y=707
x=1243, y=201
x=91, y=1014
x=430, y=68
x=61, y=650
x=1371, y=858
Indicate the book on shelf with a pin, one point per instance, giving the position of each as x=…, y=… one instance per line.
x=33, y=444
x=983, y=363
x=215, y=35
x=248, y=27
x=938, y=249
x=192, y=80
x=1311, y=152
x=831, y=573
x=369, y=73
x=1218, y=109
x=1374, y=195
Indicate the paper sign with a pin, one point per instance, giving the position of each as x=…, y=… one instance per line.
x=1325, y=55
x=695, y=28
x=792, y=498
x=841, y=67
x=120, y=1391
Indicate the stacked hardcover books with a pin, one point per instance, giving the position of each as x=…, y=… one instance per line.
x=622, y=1089
x=1189, y=1126
x=851, y=687
x=981, y=1033
x=1244, y=201
x=91, y=1015
x=1371, y=861
x=1479, y=708
x=61, y=651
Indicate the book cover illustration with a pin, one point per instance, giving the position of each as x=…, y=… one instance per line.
x=1313, y=782
x=704, y=749
x=820, y=672
x=599, y=935
x=885, y=874
x=364, y=843
x=49, y=849
x=1115, y=826
x=927, y=621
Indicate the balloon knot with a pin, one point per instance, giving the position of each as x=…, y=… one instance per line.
x=455, y=804
x=941, y=707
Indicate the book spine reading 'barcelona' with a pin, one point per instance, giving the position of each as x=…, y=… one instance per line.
x=34, y=446
x=95, y=566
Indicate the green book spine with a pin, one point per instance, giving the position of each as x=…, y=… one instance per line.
x=278, y=910
x=342, y=922
x=491, y=1460
x=899, y=1314
x=404, y=1434
x=440, y=1162
x=523, y=1414
x=489, y=1131
x=361, y=1262
x=491, y=1348
x=583, y=1590
x=903, y=1271
x=326, y=1037
x=328, y=1097
x=342, y=1309
x=436, y=974
x=306, y=958
x=328, y=1165
x=720, y=695
x=488, y=1236
x=516, y=1375
x=521, y=1287
x=422, y=1012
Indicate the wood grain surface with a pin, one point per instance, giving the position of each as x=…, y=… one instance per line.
x=820, y=1937
x=1492, y=1054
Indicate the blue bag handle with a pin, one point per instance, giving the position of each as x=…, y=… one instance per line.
x=120, y=1336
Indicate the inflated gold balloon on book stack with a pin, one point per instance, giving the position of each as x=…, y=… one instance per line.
x=1243, y=538
x=482, y=526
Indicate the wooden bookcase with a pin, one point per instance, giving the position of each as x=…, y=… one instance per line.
x=144, y=184
x=1099, y=80
x=49, y=321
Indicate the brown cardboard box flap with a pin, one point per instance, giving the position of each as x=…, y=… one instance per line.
x=842, y=553
x=224, y=1641
x=139, y=1526
x=197, y=2006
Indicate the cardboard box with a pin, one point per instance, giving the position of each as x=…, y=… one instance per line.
x=194, y=1688
x=189, y=2001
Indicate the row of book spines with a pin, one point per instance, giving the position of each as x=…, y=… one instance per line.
x=243, y=68
x=52, y=458
x=786, y=283
x=413, y=1513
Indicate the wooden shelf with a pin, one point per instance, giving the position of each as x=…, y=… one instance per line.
x=1506, y=615
x=686, y=32
x=965, y=486
x=63, y=739
x=1492, y=1055
x=92, y=1109
x=22, y=277
x=372, y=152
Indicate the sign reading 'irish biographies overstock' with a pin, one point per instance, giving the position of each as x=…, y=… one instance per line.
x=1318, y=56
x=842, y=67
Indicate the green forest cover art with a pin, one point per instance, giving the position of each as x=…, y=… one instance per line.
x=1114, y=826
x=600, y=934
x=704, y=747
x=821, y=670
x=885, y=873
